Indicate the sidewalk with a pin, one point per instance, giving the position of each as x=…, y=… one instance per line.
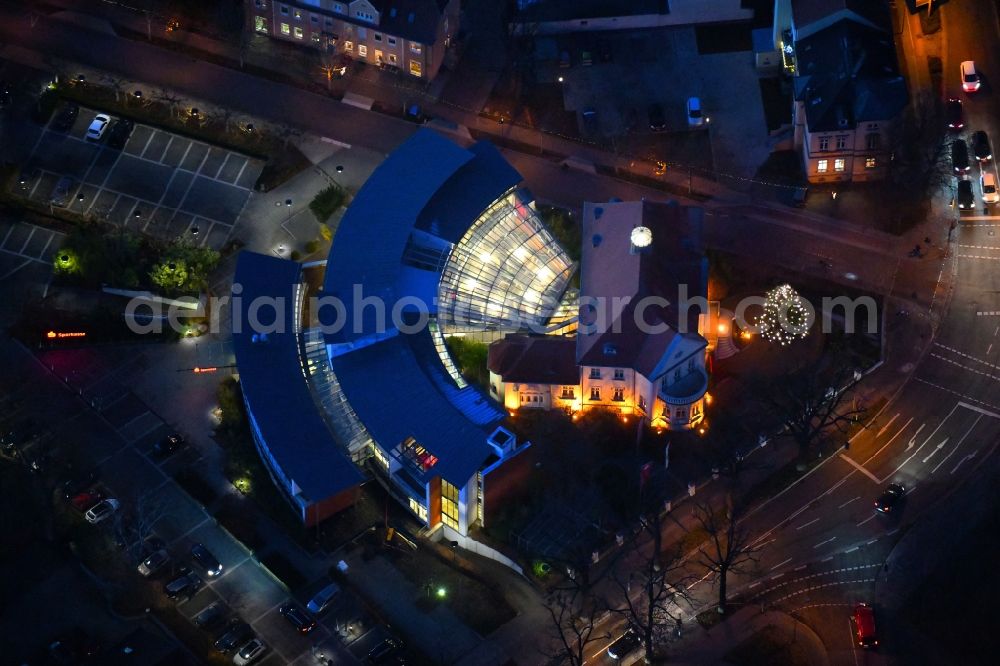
x=711, y=646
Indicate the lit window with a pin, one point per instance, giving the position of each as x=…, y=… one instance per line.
x=869, y=162
x=315, y=37
x=393, y=59
x=822, y=166
x=298, y=32
x=838, y=164
x=567, y=393
x=298, y=14
x=348, y=46
x=380, y=457
x=618, y=395
x=419, y=509
x=642, y=403
x=362, y=50
x=841, y=142
x=260, y=24
x=824, y=143
x=261, y=4
x=286, y=29
x=416, y=48
x=449, y=504
x=619, y=374
x=595, y=392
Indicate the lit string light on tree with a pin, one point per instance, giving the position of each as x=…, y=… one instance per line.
x=785, y=318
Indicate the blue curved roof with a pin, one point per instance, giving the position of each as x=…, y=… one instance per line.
x=281, y=405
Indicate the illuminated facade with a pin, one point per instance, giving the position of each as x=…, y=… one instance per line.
x=638, y=360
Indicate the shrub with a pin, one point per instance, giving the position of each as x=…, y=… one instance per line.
x=327, y=202
x=312, y=247
x=296, y=255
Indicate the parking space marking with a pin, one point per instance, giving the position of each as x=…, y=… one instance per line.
x=26, y=241
x=9, y=232
x=15, y=269
x=222, y=167
x=242, y=169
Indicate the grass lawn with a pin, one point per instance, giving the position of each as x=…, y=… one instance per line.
x=768, y=646
x=480, y=606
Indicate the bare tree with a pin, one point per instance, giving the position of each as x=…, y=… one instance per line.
x=728, y=549
x=815, y=402
x=117, y=84
x=733, y=436
x=649, y=586
x=574, y=616
x=134, y=524
x=169, y=99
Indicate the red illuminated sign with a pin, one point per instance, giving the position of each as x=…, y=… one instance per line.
x=199, y=371
x=59, y=335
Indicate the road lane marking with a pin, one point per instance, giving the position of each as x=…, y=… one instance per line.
x=814, y=520
x=968, y=457
x=851, y=550
x=827, y=559
x=955, y=448
x=824, y=542
x=953, y=392
x=980, y=410
x=936, y=449
x=781, y=564
x=886, y=426
x=858, y=467
x=848, y=502
x=913, y=440
x=800, y=568
x=854, y=647
x=871, y=517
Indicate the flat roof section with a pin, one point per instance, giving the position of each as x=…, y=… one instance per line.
x=275, y=387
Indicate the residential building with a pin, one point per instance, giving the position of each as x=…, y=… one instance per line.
x=545, y=17
x=639, y=349
x=412, y=35
x=848, y=90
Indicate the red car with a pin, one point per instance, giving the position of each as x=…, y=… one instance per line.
x=86, y=500
x=864, y=626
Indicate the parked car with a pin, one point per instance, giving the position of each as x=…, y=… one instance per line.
x=953, y=114
x=168, y=445
x=960, y=156
x=624, y=644
x=988, y=184
x=98, y=126
x=64, y=121
x=964, y=197
x=236, y=633
x=981, y=146
x=657, y=121
x=891, y=496
x=250, y=652
x=864, y=626
x=184, y=585
x=120, y=132
x=297, y=618
x=101, y=511
x=387, y=652
x=85, y=500
x=204, y=558
x=154, y=563
x=79, y=483
x=211, y=616
x=60, y=193
x=970, y=77
x=322, y=599
x=694, y=114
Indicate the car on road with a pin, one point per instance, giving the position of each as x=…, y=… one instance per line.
x=970, y=77
x=184, y=585
x=694, y=114
x=168, y=445
x=98, y=126
x=250, y=652
x=960, y=156
x=981, y=146
x=64, y=121
x=889, y=498
x=154, y=563
x=85, y=500
x=953, y=114
x=234, y=634
x=120, y=132
x=203, y=558
x=297, y=618
x=322, y=599
x=964, y=197
x=864, y=626
x=657, y=120
x=988, y=184
x=102, y=510
x=210, y=616
x=624, y=644
x=60, y=193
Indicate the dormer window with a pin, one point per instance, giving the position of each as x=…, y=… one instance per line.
x=610, y=350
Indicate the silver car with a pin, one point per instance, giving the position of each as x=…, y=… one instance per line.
x=101, y=510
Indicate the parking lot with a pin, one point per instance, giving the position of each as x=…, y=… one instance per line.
x=161, y=183
x=114, y=431
x=22, y=244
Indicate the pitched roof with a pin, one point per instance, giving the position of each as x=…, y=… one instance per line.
x=565, y=10
x=847, y=73
x=416, y=20
x=274, y=386
x=528, y=359
x=807, y=12
x=611, y=335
